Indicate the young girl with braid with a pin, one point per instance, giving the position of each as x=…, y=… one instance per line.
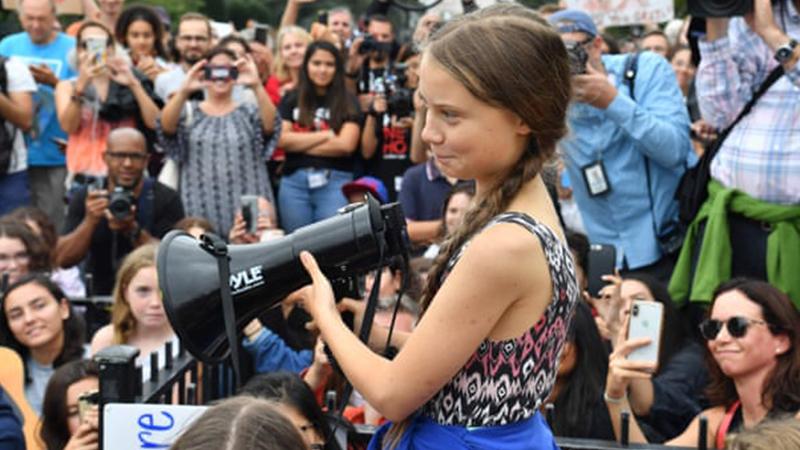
x=499, y=299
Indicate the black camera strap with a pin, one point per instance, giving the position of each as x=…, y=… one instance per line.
x=217, y=248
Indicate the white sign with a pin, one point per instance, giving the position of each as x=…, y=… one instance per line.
x=612, y=13
x=134, y=426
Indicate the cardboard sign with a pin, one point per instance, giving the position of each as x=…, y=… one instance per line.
x=134, y=426
x=611, y=13
x=62, y=6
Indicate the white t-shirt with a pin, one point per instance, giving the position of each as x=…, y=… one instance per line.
x=19, y=80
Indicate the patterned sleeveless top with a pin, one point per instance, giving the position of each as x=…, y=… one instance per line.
x=506, y=381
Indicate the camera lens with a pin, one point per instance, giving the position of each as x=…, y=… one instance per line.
x=635, y=310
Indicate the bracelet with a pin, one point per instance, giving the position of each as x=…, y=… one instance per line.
x=614, y=400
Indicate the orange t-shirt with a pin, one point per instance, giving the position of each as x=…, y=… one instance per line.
x=86, y=146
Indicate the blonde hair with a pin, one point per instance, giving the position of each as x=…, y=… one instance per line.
x=279, y=65
x=768, y=435
x=122, y=319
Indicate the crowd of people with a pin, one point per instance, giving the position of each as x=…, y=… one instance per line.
x=521, y=145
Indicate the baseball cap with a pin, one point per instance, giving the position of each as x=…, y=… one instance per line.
x=573, y=20
x=369, y=184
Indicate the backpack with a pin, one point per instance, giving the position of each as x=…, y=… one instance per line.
x=6, y=136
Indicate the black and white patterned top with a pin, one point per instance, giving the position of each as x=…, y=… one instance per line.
x=506, y=381
x=221, y=158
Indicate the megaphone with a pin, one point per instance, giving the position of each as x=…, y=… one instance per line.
x=261, y=275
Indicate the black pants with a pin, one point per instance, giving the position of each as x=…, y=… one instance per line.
x=661, y=270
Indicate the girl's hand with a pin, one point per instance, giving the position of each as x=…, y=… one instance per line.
x=121, y=72
x=88, y=68
x=621, y=371
x=194, y=78
x=317, y=299
x=148, y=66
x=248, y=72
x=85, y=438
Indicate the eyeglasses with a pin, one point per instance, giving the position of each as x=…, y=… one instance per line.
x=189, y=38
x=19, y=258
x=122, y=156
x=737, y=327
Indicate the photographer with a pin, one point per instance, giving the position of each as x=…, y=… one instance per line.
x=369, y=61
x=386, y=137
x=629, y=148
x=130, y=210
x=755, y=176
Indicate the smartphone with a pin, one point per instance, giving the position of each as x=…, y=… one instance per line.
x=96, y=46
x=262, y=34
x=250, y=213
x=602, y=261
x=322, y=17
x=87, y=401
x=646, y=322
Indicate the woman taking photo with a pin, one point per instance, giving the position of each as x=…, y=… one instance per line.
x=752, y=338
x=63, y=425
x=107, y=94
x=320, y=133
x=469, y=376
x=137, y=314
x=221, y=145
x=140, y=31
x=39, y=324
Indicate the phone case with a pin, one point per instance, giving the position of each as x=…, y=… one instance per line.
x=602, y=260
x=250, y=212
x=646, y=322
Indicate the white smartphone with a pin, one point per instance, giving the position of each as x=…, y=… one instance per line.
x=646, y=322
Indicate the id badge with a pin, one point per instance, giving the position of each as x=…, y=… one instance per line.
x=596, y=180
x=317, y=179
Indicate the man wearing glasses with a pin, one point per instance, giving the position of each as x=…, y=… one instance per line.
x=105, y=232
x=192, y=42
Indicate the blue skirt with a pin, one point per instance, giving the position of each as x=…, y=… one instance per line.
x=424, y=434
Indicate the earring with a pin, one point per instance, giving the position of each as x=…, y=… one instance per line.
x=778, y=350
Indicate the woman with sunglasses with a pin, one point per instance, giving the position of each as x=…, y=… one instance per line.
x=220, y=144
x=752, y=333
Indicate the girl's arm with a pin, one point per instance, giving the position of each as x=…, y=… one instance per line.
x=300, y=141
x=171, y=113
x=68, y=106
x=342, y=144
x=501, y=266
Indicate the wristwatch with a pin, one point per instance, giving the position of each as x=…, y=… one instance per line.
x=784, y=52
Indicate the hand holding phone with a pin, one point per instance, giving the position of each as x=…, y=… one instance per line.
x=250, y=213
x=646, y=321
x=602, y=261
x=87, y=401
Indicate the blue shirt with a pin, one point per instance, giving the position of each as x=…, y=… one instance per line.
x=42, y=151
x=654, y=128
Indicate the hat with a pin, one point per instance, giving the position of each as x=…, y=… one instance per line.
x=573, y=20
x=370, y=184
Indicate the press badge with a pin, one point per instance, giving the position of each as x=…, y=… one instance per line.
x=317, y=178
x=595, y=177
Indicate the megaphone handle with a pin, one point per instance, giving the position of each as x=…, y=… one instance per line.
x=215, y=246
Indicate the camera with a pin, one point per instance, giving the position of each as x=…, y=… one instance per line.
x=719, y=8
x=369, y=44
x=399, y=100
x=214, y=73
x=120, y=202
x=577, y=57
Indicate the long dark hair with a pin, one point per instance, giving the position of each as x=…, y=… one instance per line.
x=74, y=330
x=577, y=402
x=287, y=388
x=782, y=387
x=55, y=432
x=336, y=98
x=674, y=332
x=145, y=13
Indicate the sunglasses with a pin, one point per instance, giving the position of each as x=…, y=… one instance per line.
x=737, y=327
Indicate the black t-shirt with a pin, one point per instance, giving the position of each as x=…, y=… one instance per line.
x=157, y=209
x=392, y=156
x=290, y=112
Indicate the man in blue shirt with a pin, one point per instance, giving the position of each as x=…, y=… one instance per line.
x=626, y=152
x=44, y=50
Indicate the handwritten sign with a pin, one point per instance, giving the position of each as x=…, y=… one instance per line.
x=611, y=13
x=134, y=426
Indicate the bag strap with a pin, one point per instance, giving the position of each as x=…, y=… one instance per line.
x=773, y=76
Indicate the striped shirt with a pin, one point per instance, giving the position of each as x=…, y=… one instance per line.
x=761, y=156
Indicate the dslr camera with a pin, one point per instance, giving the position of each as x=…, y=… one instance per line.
x=120, y=202
x=399, y=100
x=577, y=57
x=214, y=73
x=369, y=45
